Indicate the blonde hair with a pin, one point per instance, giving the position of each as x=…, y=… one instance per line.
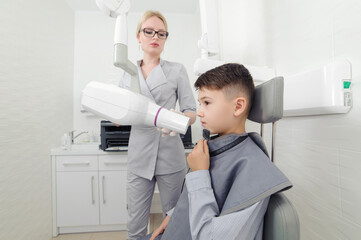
x=148, y=14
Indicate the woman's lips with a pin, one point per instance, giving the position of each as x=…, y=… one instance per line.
x=154, y=44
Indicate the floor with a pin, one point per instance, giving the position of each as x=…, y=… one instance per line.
x=121, y=235
x=155, y=220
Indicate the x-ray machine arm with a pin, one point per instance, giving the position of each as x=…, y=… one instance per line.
x=119, y=9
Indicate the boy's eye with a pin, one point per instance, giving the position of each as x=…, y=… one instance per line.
x=206, y=102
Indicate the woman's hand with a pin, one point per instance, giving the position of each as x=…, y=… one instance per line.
x=198, y=159
x=166, y=131
x=161, y=228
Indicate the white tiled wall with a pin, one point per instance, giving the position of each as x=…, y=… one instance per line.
x=36, y=102
x=320, y=154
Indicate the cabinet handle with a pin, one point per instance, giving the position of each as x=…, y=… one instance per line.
x=92, y=186
x=113, y=163
x=76, y=163
x=103, y=182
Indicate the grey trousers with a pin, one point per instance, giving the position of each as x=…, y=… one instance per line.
x=140, y=193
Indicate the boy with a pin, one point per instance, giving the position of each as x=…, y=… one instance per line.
x=226, y=195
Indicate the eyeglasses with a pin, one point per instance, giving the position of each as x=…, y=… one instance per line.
x=148, y=32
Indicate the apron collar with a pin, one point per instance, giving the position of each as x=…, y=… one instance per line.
x=223, y=143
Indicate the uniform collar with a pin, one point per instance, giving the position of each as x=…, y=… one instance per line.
x=161, y=62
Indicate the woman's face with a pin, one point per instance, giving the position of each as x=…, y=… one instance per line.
x=152, y=45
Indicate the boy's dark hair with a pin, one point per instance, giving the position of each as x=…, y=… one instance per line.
x=229, y=77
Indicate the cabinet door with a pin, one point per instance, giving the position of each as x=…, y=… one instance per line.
x=77, y=199
x=113, y=197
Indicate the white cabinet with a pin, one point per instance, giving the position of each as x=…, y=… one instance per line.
x=89, y=192
x=77, y=203
x=113, y=183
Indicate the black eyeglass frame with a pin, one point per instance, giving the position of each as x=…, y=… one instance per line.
x=155, y=32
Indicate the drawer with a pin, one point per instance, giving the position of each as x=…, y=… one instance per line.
x=76, y=163
x=113, y=162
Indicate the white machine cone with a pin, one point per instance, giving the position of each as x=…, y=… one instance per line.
x=125, y=107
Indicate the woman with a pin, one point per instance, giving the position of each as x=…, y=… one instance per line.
x=151, y=157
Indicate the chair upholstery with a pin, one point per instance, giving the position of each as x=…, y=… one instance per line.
x=281, y=220
x=267, y=103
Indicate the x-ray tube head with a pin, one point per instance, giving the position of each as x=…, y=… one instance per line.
x=125, y=107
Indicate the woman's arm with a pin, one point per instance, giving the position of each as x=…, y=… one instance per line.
x=192, y=117
x=187, y=103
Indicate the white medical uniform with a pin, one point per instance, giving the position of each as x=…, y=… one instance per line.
x=152, y=158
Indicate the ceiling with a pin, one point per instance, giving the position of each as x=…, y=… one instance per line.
x=164, y=6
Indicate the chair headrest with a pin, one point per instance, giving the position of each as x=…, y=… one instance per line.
x=267, y=103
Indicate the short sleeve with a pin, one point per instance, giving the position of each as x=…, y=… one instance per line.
x=185, y=93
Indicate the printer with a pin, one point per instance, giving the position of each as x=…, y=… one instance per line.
x=114, y=138
x=187, y=138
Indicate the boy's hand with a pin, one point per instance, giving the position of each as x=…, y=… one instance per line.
x=198, y=159
x=161, y=228
x=156, y=232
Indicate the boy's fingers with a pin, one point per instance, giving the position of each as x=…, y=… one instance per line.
x=199, y=145
x=205, y=147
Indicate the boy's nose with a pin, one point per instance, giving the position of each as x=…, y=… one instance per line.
x=199, y=113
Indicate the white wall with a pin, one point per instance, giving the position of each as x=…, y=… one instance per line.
x=242, y=32
x=93, y=60
x=320, y=154
x=36, y=102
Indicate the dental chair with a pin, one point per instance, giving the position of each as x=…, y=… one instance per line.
x=281, y=219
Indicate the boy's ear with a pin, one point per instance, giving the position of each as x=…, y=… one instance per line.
x=240, y=105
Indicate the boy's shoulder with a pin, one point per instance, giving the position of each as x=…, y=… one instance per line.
x=258, y=141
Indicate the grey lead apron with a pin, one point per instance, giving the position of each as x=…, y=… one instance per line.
x=241, y=175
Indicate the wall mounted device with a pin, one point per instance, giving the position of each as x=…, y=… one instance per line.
x=209, y=42
x=323, y=90
x=209, y=45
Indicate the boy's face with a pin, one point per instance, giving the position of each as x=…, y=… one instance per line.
x=216, y=111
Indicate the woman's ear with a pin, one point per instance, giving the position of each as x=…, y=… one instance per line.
x=240, y=105
x=138, y=38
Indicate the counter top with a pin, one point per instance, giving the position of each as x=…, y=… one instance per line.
x=90, y=149
x=84, y=151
